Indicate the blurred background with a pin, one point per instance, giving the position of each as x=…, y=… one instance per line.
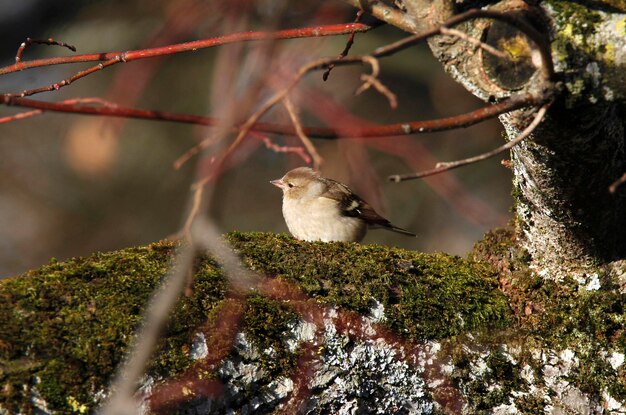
x=71, y=185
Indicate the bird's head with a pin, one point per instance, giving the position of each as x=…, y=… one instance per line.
x=301, y=183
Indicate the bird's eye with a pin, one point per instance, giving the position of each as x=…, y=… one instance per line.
x=290, y=185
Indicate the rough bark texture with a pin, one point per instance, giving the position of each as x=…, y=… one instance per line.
x=567, y=219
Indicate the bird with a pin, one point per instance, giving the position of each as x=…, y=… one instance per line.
x=317, y=208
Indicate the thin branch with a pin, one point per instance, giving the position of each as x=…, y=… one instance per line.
x=346, y=49
x=316, y=31
x=58, y=85
x=446, y=166
x=386, y=13
x=193, y=212
x=317, y=159
x=49, y=41
x=343, y=131
x=269, y=144
x=617, y=183
x=20, y=116
x=187, y=155
x=373, y=81
x=73, y=101
x=369, y=81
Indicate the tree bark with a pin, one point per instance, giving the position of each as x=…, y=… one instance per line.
x=566, y=218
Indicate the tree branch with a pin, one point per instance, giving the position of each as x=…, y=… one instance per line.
x=306, y=32
x=330, y=133
x=446, y=166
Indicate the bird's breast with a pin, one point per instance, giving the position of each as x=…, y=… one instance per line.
x=320, y=220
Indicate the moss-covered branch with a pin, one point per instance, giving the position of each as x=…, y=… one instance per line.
x=65, y=326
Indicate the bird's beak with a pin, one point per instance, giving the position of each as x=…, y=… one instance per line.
x=278, y=183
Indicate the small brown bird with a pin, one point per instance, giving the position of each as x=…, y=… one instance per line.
x=320, y=209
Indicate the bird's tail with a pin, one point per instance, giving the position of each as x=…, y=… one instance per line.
x=393, y=228
x=396, y=229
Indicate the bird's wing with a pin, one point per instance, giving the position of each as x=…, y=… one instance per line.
x=353, y=206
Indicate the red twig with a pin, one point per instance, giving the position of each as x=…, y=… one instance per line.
x=342, y=131
x=49, y=41
x=269, y=144
x=316, y=31
x=73, y=101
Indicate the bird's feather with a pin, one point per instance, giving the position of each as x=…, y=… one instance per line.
x=353, y=206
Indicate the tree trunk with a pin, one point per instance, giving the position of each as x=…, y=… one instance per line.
x=566, y=218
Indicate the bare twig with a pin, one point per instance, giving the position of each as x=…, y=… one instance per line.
x=73, y=101
x=193, y=211
x=317, y=159
x=617, y=183
x=372, y=80
x=387, y=14
x=187, y=155
x=369, y=81
x=49, y=41
x=348, y=130
x=345, y=50
x=58, y=85
x=20, y=116
x=269, y=144
x=306, y=32
x=446, y=166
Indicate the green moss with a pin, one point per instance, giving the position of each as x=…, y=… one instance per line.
x=426, y=296
x=266, y=321
x=65, y=327
x=585, y=60
x=486, y=379
x=72, y=322
x=562, y=315
x=578, y=20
